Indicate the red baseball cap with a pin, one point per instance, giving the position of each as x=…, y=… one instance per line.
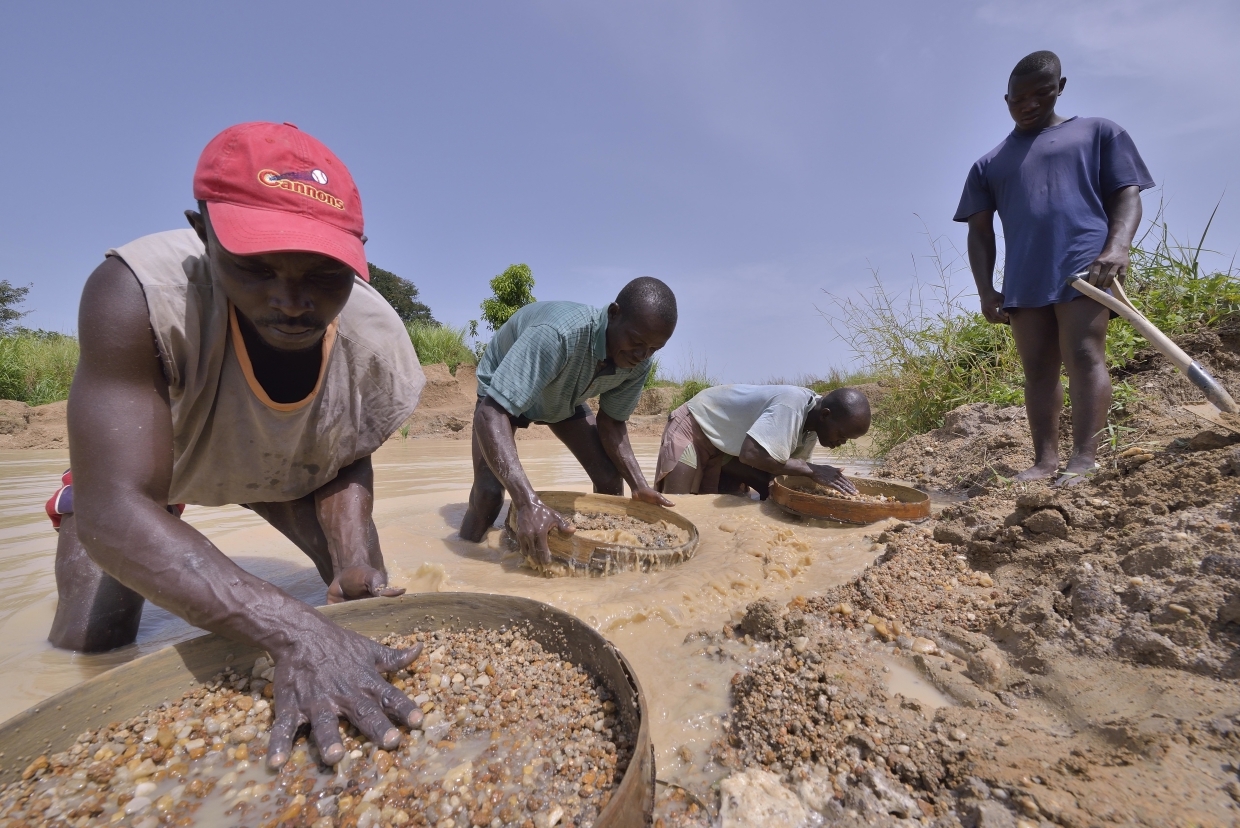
x=272, y=188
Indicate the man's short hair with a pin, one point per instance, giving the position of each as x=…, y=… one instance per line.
x=847, y=404
x=1035, y=62
x=650, y=299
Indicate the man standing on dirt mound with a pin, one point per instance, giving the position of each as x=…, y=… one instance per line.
x=1068, y=193
x=244, y=360
x=732, y=437
x=540, y=367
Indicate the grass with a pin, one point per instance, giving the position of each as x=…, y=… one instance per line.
x=440, y=343
x=933, y=350
x=36, y=367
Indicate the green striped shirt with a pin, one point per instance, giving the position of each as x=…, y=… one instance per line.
x=550, y=357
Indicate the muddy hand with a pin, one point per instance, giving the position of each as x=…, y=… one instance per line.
x=329, y=673
x=648, y=495
x=833, y=477
x=361, y=582
x=533, y=523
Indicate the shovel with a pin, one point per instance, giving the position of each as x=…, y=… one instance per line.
x=1222, y=409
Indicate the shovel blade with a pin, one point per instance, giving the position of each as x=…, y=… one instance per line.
x=1208, y=412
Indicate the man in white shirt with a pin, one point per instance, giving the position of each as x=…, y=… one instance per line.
x=731, y=437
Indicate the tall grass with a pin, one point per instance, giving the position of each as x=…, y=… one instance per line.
x=440, y=343
x=933, y=350
x=36, y=367
x=694, y=378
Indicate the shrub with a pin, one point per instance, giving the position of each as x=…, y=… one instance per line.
x=510, y=291
x=437, y=343
x=36, y=367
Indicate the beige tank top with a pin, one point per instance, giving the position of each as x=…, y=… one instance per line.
x=231, y=442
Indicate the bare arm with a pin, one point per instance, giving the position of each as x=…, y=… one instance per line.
x=982, y=254
x=615, y=436
x=753, y=454
x=499, y=449
x=120, y=434
x=344, y=508
x=1123, y=217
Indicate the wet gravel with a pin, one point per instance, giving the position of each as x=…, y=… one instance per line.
x=512, y=735
x=625, y=530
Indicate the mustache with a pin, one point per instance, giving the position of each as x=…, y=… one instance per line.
x=313, y=322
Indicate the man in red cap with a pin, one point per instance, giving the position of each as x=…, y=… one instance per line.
x=245, y=360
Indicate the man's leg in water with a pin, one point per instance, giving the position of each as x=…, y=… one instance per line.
x=96, y=612
x=1082, y=341
x=735, y=476
x=486, y=497
x=1036, y=331
x=679, y=480
x=581, y=437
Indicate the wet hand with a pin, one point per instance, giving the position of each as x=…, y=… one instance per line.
x=330, y=673
x=648, y=495
x=533, y=523
x=1110, y=266
x=361, y=582
x=992, y=309
x=833, y=477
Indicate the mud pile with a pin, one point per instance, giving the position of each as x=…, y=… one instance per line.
x=33, y=427
x=982, y=444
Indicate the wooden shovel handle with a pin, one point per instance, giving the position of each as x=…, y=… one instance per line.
x=1144, y=326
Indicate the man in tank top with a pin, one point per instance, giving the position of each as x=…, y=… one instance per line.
x=1068, y=191
x=244, y=360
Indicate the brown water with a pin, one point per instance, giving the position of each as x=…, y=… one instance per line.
x=747, y=550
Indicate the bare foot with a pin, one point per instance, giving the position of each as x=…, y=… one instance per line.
x=1041, y=471
x=1078, y=471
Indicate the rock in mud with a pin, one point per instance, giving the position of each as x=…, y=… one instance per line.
x=763, y=620
x=1047, y=522
x=755, y=798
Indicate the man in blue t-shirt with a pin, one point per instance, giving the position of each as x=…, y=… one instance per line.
x=1068, y=193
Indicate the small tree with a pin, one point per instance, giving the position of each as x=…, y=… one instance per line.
x=511, y=292
x=11, y=295
x=401, y=294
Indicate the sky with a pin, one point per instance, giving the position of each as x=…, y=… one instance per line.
x=758, y=157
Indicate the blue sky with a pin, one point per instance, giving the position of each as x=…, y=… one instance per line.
x=749, y=154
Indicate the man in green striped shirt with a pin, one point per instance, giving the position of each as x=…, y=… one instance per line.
x=541, y=367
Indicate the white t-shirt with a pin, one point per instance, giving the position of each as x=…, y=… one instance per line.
x=773, y=415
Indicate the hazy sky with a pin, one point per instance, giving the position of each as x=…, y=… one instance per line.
x=749, y=154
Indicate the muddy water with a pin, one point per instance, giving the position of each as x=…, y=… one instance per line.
x=747, y=550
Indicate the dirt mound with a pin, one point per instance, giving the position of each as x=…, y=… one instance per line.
x=33, y=427
x=981, y=443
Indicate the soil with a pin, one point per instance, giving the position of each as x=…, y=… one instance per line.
x=512, y=736
x=625, y=530
x=859, y=497
x=981, y=443
x=1085, y=641
x=33, y=427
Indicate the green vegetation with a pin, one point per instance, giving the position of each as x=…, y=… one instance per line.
x=692, y=381
x=932, y=349
x=401, y=294
x=437, y=343
x=11, y=295
x=36, y=367
x=511, y=291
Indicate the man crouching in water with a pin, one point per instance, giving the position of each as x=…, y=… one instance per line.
x=541, y=367
x=241, y=361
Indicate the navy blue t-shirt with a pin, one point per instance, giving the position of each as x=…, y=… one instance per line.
x=1049, y=189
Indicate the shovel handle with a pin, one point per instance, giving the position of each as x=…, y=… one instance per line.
x=1199, y=376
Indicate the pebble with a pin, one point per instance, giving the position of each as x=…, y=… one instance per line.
x=519, y=706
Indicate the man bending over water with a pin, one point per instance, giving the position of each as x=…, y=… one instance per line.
x=1068, y=193
x=541, y=367
x=240, y=361
x=732, y=437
